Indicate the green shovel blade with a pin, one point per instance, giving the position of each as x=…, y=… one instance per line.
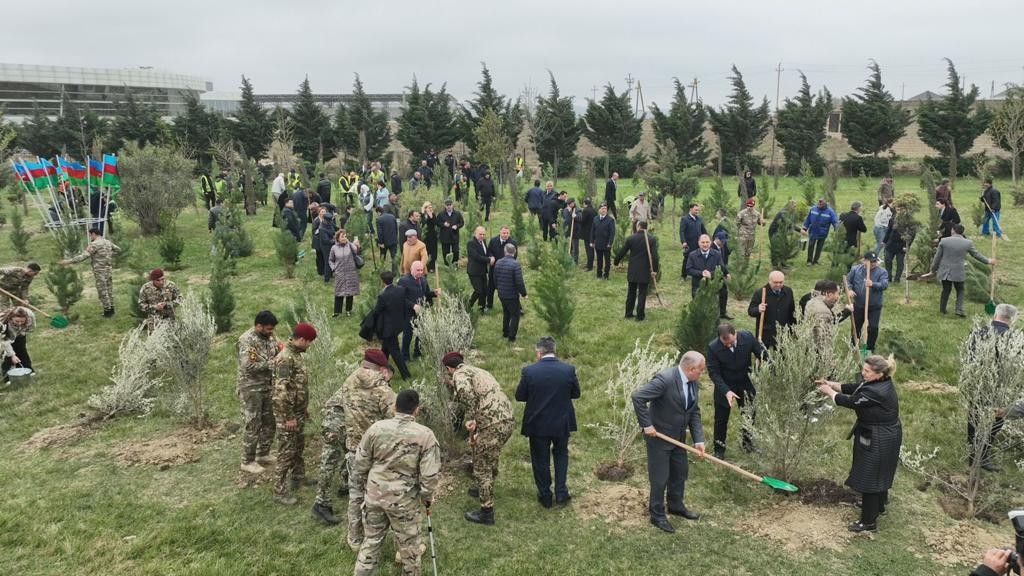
x=990, y=308
x=777, y=484
x=59, y=322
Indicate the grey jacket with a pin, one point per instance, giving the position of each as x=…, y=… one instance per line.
x=659, y=403
x=950, y=262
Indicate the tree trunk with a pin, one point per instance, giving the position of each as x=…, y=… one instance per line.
x=555, y=175
x=248, y=183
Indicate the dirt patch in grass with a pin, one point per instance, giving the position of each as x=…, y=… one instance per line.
x=799, y=527
x=617, y=504
x=963, y=543
x=57, y=436
x=168, y=450
x=929, y=387
x=825, y=492
x=613, y=472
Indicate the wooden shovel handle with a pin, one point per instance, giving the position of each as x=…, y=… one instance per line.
x=992, y=274
x=23, y=302
x=760, y=322
x=712, y=459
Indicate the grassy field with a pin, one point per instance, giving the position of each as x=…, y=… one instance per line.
x=145, y=496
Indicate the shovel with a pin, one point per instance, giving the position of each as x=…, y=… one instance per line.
x=60, y=322
x=990, y=307
x=650, y=262
x=773, y=483
x=867, y=305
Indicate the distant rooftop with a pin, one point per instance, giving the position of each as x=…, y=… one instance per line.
x=141, y=77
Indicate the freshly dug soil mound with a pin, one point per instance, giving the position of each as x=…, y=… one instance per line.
x=799, y=527
x=612, y=472
x=825, y=492
x=963, y=543
x=60, y=435
x=617, y=504
x=174, y=449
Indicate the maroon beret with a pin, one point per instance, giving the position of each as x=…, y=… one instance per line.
x=304, y=331
x=452, y=359
x=156, y=274
x=375, y=356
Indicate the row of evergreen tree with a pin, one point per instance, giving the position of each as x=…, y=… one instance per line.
x=872, y=122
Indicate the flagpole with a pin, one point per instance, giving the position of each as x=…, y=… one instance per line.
x=65, y=186
x=35, y=199
x=104, y=204
x=53, y=193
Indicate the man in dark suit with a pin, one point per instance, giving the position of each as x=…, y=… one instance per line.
x=668, y=404
x=610, y=189
x=387, y=237
x=496, y=250
x=412, y=222
x=393, y=311
x=477, y=266
x=779, y=308
x=948, y=217
x=701, y=264
x=729, y=363
x=549, y=213
x=691, y=228
x=508, y=277
x=643, y=254
x=548, y=387
x=485, y=188
x=449, y=222
x=602, y=235
x=418, y=291
x=586, y=225
x=854, y=225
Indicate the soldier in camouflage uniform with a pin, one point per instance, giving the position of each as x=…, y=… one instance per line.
x=747, y=222
x=158, y=298
x=101, y=253
x=257, y=349
x=397, y=467
x=291, y=400
x=16, y=280
x=368, y=398
x=489, y=421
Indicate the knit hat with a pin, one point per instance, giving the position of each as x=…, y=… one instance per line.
x=452, y=360
x=156, y=274
x=375, y=356
x=750, y=202
x=304, y=331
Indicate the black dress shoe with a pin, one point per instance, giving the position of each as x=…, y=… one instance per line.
x=563, y=501
x=685, y=513
x=858, y=527
x=545, y=501
x=663, y=525
x=725, y=317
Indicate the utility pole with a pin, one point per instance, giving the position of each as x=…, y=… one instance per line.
x=629, y=83
x=639, y=106
x=594, y=92
x=775, y=118
x=694, y=97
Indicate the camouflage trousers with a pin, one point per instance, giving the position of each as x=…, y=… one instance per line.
x=104, y=286
x=404, y=522
x=290, y=446
x=747, y=245
x=485, y=451
x=355, y=509
x=333, y=458
x=258, y=424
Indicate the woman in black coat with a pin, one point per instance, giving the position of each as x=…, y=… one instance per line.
x=877, y=435
x=428, y=224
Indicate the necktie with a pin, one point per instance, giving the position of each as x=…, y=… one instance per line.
x=689, y=395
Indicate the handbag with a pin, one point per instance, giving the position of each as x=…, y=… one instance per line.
x=359, y=261
x=368, y=326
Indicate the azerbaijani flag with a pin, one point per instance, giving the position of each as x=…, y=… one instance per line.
x=73, y=172
x=39, y=175
x=95, y=172
x=111, y=178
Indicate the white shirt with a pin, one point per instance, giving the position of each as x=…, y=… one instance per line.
x=882, y=218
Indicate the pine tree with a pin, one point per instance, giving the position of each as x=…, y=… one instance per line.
x=137, y=122
x=556, y=130
x=222, y=299
x=36, y=134
x=683, y=127
x=252, y=128
x=64, y=282
x=19, y=236
x=427, y=121
x=841, y=258
x=699, y=318
x=488, y=98
x=785, y=243
x=554, y=302
x=801, y=127
x=197, y=130
x=873, y=121
x=746, y=276
x=671, y=181
x=230, y=237
x=287, y=251
x=611, y=126
x=493, y=145
x=952, y=124
x=808, y=183
x=77, y=128
x=720, y=199
x=311, y=128
x=739, y=126
x=364, y=120
x=171, y=244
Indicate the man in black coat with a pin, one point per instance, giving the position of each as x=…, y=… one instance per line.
x=669, y=404
x=387, y=236
x=396, y=182
x=508, y=278
x=854, y=225
x=701, y=264
x=535, y=199
x=643, y=265
x=779, y=308
x=549, y=212
x=602, y=236
x=300, y=203
x=411, y=222
x=418, y=291
x=948, y=217
x=691, y=227
x=496, y=250
x=486, y=189
x=323, y=189
x=393, y=311
x=729, y=362
x=548, y=387
x=477, y=265
x=586, y=225
x=610, y=189
x=449, y=222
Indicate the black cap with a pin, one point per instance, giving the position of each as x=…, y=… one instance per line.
x=870, y=255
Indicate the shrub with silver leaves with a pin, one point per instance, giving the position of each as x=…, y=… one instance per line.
x=132, y=378
x=183, y=348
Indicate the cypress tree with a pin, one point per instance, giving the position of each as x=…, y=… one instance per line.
x=252, y=128
x=952, y=124
x=801, y=127
x=740, y=126
x=197, y=130
x=488, y=98
x=683, y=126
x=137, y=122
x=556, y=131
x=427, y=120
x=611, y=126
x=222, y=299
x=872, y=120
x=310, y=126
x=363, y=119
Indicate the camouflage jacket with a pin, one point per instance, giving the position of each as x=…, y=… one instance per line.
x=150, y=296
x=101, y=251
x=367, y=398
x=255, y=360
x=747, y=221
x=14, y=280
x=397, y=462
x=291, y=386
x=481, y=397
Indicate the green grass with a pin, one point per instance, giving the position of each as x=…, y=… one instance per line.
x=77, y=510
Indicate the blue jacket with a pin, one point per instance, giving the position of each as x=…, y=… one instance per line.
x=880, y=279
x=548, y=387
x=534, y=199
x=387, y=229
x=819, y=221
x=508, y=278
x=690, y=230
x=602, y=233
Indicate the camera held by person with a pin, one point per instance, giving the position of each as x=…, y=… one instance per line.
x=1001, y=561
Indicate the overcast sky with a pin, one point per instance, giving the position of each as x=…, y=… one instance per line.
x=584, y=43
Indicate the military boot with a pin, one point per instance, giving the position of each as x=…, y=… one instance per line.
x=481, y=516
x=324, y=514
x=286, y=499
x=108, y=313
x=266, y=459
x=251, y=468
